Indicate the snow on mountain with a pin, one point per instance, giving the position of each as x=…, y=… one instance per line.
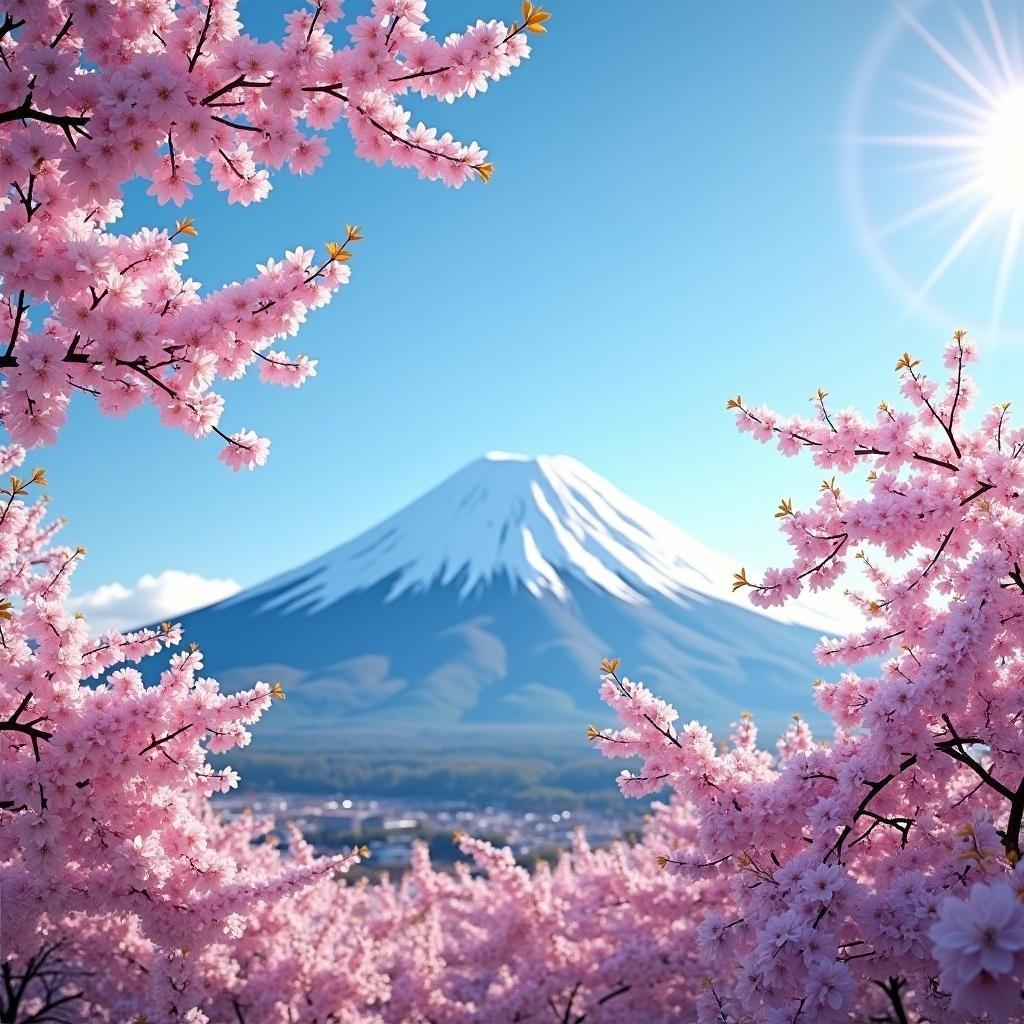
x=537, y=523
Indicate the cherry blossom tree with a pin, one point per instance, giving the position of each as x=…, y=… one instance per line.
x=96, y=93
x=875, y=876
x=103, y=794
x=126, y=898
x=601, y=937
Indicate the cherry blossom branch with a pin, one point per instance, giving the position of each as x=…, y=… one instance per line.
x=874, y=788
x=314, y=20
x=54, y=984
x=65, y=28
x=144, y=371
x=959, y=338
x=534, y=22
x=387, y=37
x=609, y=996
x=1017, y=577
x=9, y=358
x=1014, y=822
x=860, y=452
x=947, y=428
x=164, y=739
x=194, y=59
x=77, y=66
x=26, y=112
x=982, y=489
x=955, y=748
x=9, y=24
x=236, y=83
x=892, y=988
x=29, y=729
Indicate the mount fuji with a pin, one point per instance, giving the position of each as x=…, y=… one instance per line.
x=470, y=625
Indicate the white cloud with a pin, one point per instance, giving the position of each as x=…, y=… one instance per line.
x=152, y=599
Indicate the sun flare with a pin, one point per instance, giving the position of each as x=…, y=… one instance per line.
x=945, y=145
x=1001, y=163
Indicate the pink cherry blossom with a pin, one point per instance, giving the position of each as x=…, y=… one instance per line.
x=112, y=868
x=979, y=944
x=873, y=876
x=97, y=93
x=245, y=451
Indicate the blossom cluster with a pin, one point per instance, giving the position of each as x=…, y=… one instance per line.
x=96, y=93
x=876, y=875
x=600, y=937
x=104, y=786
x=126, y=898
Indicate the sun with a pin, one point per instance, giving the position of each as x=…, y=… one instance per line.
x=1001, y=157
x=936, y=160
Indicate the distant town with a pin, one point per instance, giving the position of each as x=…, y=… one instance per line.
x=390, y=827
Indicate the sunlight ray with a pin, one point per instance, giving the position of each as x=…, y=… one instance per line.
x=944, y=153
x=951, y=62
x=976, y=110
x=921, y=141
x=936, y=114
x=933, y=206
x=999, y=42
x=965, y=239
x=1011, y=246
x=981, y=54
x=961, y=160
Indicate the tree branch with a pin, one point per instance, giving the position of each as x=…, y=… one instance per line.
x=29, y=729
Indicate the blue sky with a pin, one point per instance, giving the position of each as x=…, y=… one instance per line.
x=668, y=225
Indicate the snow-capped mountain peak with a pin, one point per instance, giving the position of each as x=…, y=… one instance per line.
x=543, y=524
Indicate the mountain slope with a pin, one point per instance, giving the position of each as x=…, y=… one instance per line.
x=541, y=524
x=484, y=608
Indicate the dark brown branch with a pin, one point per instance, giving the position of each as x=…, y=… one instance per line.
x=30, y=728
x=1016, y=576
x=313, y=21
x=387, y=38
x=236, y=83
x=860, y=451
x=609, y=996
x=26, y=112
x=164, y=739
x=955, y=748
x=959, y=383
x=194, y=59
x=53, y=978
x=947, y=428
x=9, y=358
x=140, y=368
x=874, y=788
x=982, y=488
x=235, y=124
x=275, y=362
x=893, y=988
x=9, y=24
x=65, y=28
x=426, y=73
x=935, y=558
x=1013, y=823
